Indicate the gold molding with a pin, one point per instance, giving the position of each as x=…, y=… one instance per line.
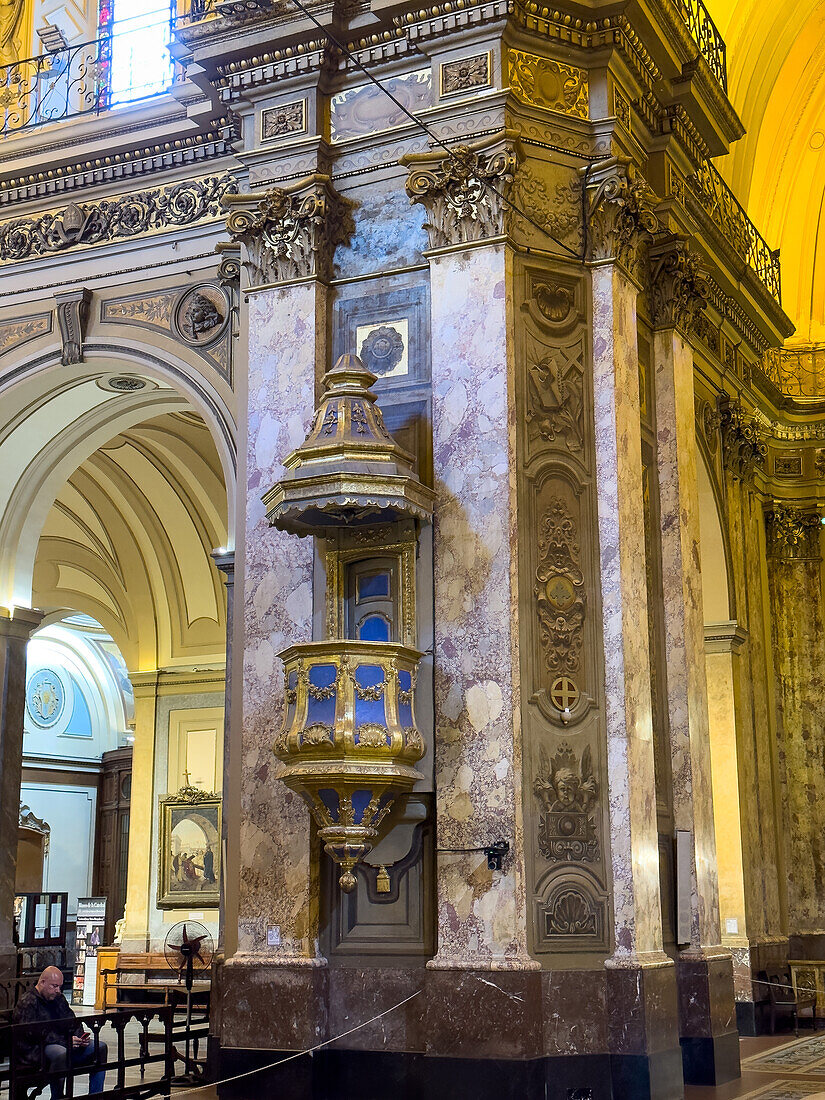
x=549, y=85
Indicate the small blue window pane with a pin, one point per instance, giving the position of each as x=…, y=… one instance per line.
x=374, y=628
x=373, y=586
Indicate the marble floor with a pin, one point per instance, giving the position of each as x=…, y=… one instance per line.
x=775, y=1067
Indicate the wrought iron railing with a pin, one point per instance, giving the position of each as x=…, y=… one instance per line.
x=707, y=38
x=195, y=11
x=731, y=219
x=797, y=371
x=78, y=80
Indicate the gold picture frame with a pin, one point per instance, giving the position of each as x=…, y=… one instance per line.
x=189, y=866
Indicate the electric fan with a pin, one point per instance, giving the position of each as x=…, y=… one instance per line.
x=189, y=949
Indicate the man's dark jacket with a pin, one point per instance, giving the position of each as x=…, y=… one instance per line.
x=34, y=1009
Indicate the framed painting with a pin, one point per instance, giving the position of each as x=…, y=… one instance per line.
x=189, y=872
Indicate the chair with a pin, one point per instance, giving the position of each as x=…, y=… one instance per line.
x=783, y=998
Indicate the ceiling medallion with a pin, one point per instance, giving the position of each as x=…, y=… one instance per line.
x=124, y=383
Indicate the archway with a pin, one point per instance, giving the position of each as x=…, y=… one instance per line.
x=120, y=486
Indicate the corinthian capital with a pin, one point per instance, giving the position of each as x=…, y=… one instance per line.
x=465, y=192
x=678, y=290
x=620, y=213
x=793, y=533
x=289, y=233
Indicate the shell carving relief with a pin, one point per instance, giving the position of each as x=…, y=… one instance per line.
x=559, y=590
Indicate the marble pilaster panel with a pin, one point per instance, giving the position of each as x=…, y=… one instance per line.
x=795, y=578
x=687, y=701
x=632, y=798
x=15, y=631
x=141, y=807
x=278, y=868
x=482, y=915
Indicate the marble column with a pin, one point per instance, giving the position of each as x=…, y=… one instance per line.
x=710, y=1043
x=798, y=632
x=279, y=857
x=15, y=630
x=225, y=563
x=482, y=954
x=142, y=850
x=641, y=982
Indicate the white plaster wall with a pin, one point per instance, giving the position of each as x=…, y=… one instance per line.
x=70, y=813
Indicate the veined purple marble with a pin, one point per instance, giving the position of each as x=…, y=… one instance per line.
x=276, y=887
x=632, y=789
x=684, y=625
x=481, y=914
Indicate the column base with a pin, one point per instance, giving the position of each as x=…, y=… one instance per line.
x=376, y=1075
x=707, y=1018
x=711, y=1060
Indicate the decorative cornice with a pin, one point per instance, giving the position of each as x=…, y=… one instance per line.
x=678, y=290
x=141, y=212
x=147, y=161
x=464, y=193
x=620, y=214
x=289, y=233
x=743, y=445
x=793, y=533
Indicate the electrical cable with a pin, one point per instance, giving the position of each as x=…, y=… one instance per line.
x=346, y=52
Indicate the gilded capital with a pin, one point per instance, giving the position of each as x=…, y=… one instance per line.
x=793, y=533
x=465, y=192
x=678, y=290
x=620, y=214
x=289, y=233
x=743, y=447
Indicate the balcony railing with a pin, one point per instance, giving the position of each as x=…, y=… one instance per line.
x=84, y=79
x=707, y=38
x=797, y=371
x=730, y=218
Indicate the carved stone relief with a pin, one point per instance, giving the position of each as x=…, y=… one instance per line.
x=678, y=292
x=793, y=534
x=620, y=215
x=72, y=315
x=559, y=590
x=368, y=109
x=466, y=74
x=15, y=333
x=464, y=193
x=743, y=444
x=543, y=82
x=554, y=402
x=567, y=790
x=201, y=315
x=141, y=212
x=555, y=208
x=285, y=119
x=292, y=233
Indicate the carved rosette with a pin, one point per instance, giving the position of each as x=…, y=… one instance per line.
x=743, y=446
x=465, y=192
x=289, y=233
x=793, y=533
x=678, y=289
x=620, y=215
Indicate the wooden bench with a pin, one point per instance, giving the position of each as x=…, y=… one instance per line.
x=784, y=998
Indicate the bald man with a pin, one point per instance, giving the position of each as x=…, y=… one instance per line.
x=40, y=1005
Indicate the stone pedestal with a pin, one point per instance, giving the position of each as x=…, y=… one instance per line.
x=15, y=631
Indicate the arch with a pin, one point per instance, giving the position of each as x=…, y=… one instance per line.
x=58, y=418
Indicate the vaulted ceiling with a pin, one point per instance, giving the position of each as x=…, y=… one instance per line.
x=776, y=82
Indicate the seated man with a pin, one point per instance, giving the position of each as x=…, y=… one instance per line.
x=46, y=1002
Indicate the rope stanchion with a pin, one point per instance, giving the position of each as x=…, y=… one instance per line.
x=298, y=1054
